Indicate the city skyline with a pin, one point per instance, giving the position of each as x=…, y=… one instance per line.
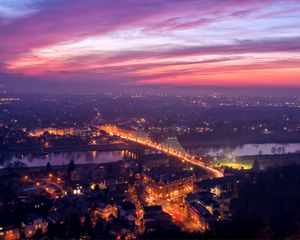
x=205, y=43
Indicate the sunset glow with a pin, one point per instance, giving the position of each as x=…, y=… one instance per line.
x=151, y=42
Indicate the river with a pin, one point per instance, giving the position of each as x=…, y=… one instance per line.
x=59, y=159
x=250, y=150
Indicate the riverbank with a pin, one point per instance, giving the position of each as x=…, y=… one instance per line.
x=61, y=158
x=265, y=161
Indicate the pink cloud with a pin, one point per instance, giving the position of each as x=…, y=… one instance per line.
x=70, y=21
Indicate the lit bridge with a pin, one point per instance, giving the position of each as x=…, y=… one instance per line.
x=170, y=147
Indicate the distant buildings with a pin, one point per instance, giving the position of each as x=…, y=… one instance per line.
x=52, y=131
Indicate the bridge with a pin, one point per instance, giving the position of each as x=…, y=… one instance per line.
x=170, y=147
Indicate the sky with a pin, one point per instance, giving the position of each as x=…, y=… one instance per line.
x=150, y=42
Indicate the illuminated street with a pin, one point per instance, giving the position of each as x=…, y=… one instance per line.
x=170, y=206
x=115, y=131
x=180, y=216
x=51, y=185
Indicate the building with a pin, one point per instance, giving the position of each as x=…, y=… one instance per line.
x=9, y=233
x=170, y=186
x=31, y=224
x=105, y=211
x=156, y=219
x=225, y=187
x=206, y=200
x=153, y=209
x=154, y=160
x=200, y=207
x=201, y=214
x=127, y=208
x=118, y=192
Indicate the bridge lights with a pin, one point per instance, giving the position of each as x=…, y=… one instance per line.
x=171, y=146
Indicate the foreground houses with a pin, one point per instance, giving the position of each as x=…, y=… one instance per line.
x=10, y=232
x=32, y=224
x=202, y=207
x=156, y=219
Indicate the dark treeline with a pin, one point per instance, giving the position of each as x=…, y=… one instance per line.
x=266, y=209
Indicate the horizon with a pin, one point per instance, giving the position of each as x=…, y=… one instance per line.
x=168, y=90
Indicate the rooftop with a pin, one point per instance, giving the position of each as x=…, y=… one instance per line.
x=155, y=208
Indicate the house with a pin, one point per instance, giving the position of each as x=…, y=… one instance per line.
x=118, y=191
x=156, y=219
x=32, y=223
x=127, y=208
x=106, y=210
x=168, y=186
x=9, y=232
x=202, y=207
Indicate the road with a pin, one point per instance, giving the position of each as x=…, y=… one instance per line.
x=179, y=215
x=48, y=185
x=115, y=131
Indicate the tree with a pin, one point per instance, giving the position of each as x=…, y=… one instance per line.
x=38, y=235
x=256, y=166
x=75, y=227
x=71, y=168
x=87, y=225
x=101, y=230
x=268, y=208
x=97, y=188
x=50, y=230
x=48, y=168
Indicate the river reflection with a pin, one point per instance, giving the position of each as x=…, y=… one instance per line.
x=62, y=158
x=251, y=150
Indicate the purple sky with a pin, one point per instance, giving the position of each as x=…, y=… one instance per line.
x=164, y=42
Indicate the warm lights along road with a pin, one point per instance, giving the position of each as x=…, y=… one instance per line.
x=115, y=131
